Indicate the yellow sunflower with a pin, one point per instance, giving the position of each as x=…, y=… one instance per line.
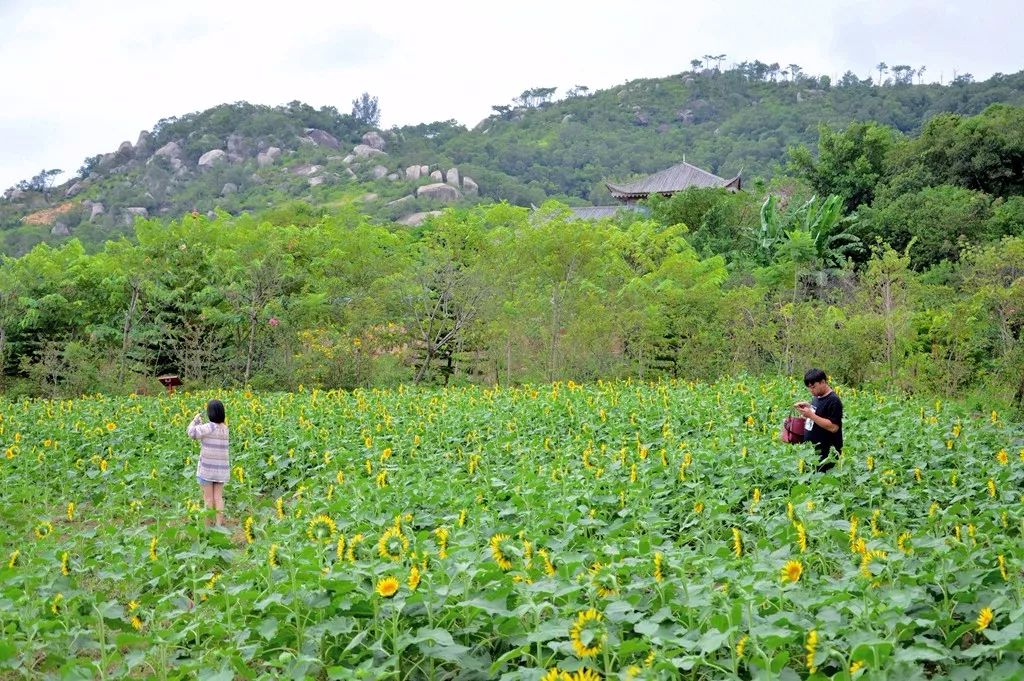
x=604, y=580
x=414, y=578
x=792, y=570
x=43, y=529
x=393, y=544
x=387, y=587
x=498, y=551
x=321, y=529
x=587, y=633
x=985, y=618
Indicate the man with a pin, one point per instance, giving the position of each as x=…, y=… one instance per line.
x=824, y=416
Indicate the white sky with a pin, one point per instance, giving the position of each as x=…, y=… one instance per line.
x=77, y=78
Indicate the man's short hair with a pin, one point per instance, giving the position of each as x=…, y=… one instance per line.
x=813, y=376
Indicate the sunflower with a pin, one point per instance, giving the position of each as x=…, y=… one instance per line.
x=587, y=633
x=792, y=570
x=811, y=647
x=44, y=528
x=65, y=569
x=498, y=551
x=247, y=527
x=555, y=674
x=321, y=529
x=585, y=674
x=414, y=578
x=152, y=548
x=658, y=559
x=442, y=542
x=55, y=604
x=393, y=544
x=111, y=426
x=603, y=578
x=136, y=623
x=1002, y=567
x=741, y=645
x=272, y=556
x=801, y=536
x=856, y=667
x=71, y=511
x=737, y=542
x=387, y=586
x=350, y=553
x=985, y=617
x=549, y=567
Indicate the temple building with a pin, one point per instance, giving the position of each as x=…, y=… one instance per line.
x=665, y=182
x=669, y=181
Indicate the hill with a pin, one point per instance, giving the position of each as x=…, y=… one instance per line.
x=244, y=157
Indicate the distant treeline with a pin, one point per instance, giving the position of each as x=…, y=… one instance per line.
x=500, y=294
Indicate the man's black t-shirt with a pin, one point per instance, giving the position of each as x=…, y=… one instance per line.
x=828, y=407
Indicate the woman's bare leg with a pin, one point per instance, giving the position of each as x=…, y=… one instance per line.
x=210, y=500
x=218, y=501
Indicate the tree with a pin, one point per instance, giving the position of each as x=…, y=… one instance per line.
x=850, y=162
x=882, y=69
x=366, y=110
x=903, y=74
x=920, y=74
x=695, y=64
x=42, y=182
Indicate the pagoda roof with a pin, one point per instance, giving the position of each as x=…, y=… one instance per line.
x=671, y=180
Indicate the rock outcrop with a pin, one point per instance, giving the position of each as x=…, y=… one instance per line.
x=417, y=219
x=364, y=150
x=374, y=139
x=212, y=157
x=439, y=191
x=452, y=177
x=322, y=138
x=268, y=157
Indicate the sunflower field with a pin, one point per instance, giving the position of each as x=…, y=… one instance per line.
x=559, y=532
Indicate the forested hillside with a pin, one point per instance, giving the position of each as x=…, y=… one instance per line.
x=737, y=121
x=243, y=157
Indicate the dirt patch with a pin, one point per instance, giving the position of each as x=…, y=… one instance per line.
x=48, y=216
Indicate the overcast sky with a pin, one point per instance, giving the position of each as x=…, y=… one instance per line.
x=78, y=78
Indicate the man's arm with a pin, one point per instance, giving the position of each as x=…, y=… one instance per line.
x=819, y=421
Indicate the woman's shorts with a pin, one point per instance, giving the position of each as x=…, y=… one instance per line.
x=205, y=482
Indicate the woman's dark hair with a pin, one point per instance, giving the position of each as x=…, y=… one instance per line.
x=813, y=376
x=215, y=411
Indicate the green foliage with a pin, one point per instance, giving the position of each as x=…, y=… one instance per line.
x=936, y=223
x=569, y=527
x=497, y=293
x=850, y=163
